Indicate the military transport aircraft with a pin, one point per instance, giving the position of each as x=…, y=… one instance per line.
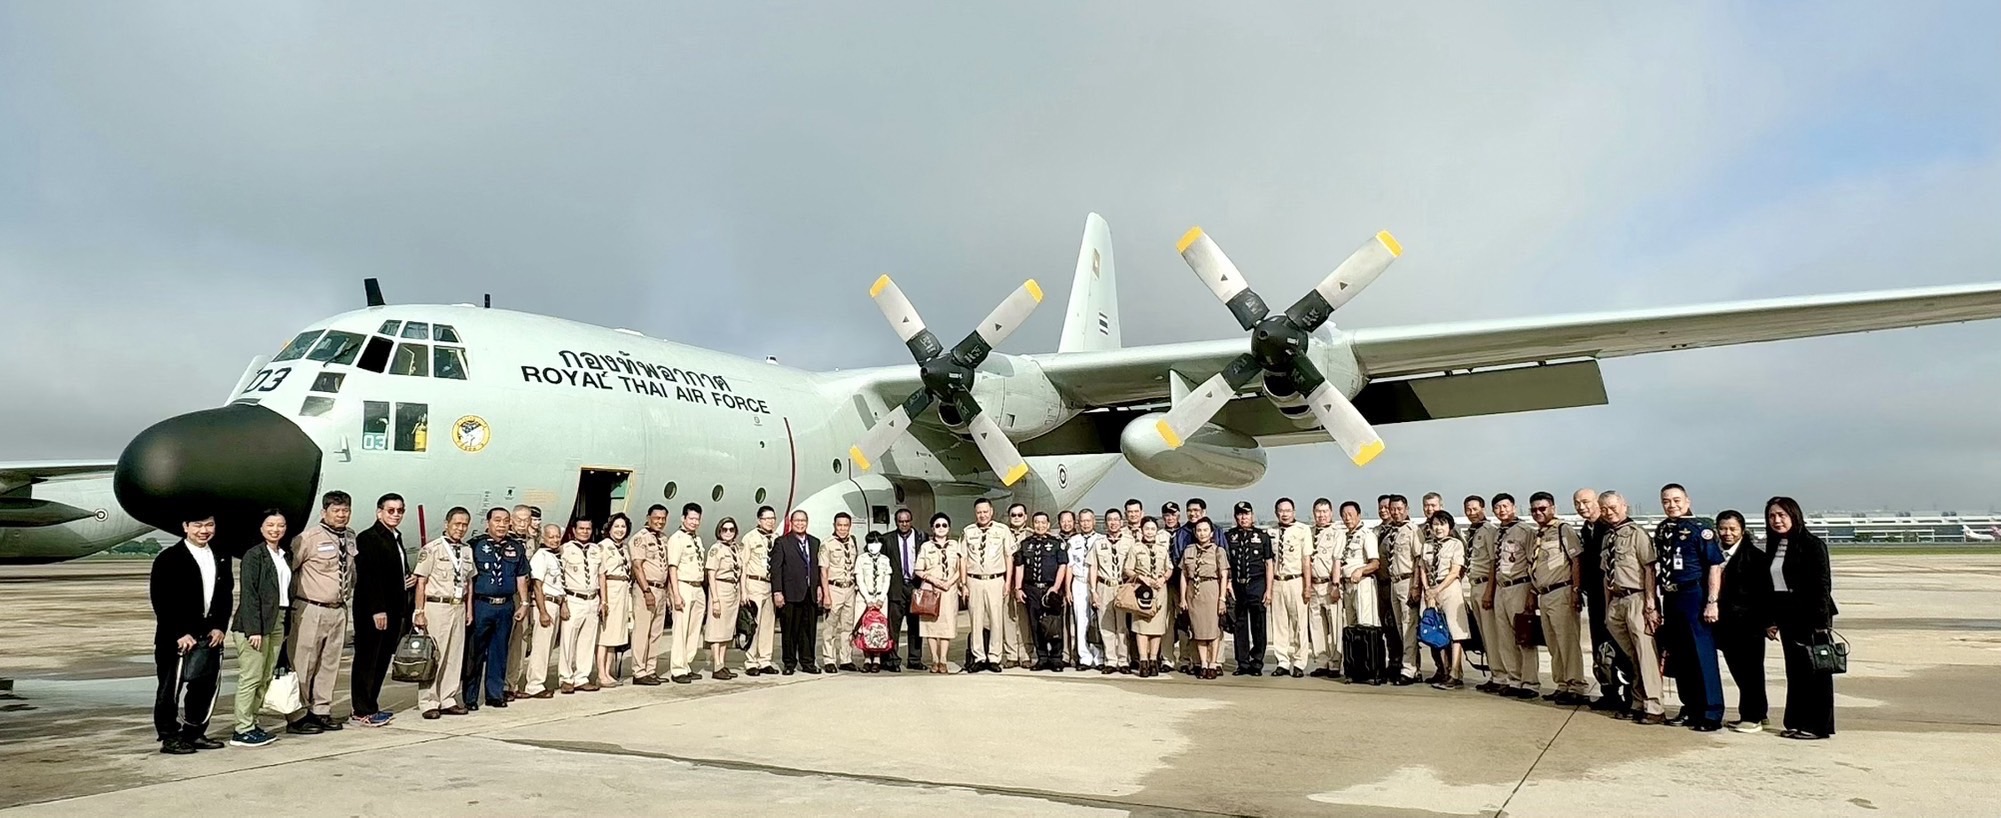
x=469, y=406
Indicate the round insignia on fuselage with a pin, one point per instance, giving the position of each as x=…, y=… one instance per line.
x=471, y=433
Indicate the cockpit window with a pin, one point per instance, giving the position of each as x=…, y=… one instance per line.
x=389, y=328
x=377, y=355
x=411, y=359
x=449, y=362
x=417, y=331
x=315, y=406
x=298, y=347
x=444, y=333
x=329, y=382
x=337, y=347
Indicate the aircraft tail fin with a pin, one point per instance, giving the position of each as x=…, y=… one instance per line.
x=1091, y=323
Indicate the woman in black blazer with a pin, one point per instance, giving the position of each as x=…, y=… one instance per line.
x=1802, y=605
x=259, y=629
x=1745, y=606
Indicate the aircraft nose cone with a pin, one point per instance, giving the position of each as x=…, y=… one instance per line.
x=235, y=461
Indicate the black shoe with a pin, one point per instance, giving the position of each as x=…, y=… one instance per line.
x=1706, y=726
x=851, y=668
x=1679, y=720
x=1605, y=703
x=787, y=672
x=304, y=727
x=1553, y=696
x=326, y=723
x=1318, y=673
x=1056, y=667
x=685, y=678
x=1403, y=681
x=496, y=702
x=993, y=667
x=204, y=743
x=753, y=671
x=1522, y=693
x=177, y=747
x=649, y=680
x=810, y=670
x=1298, y=674
x=891, y=667
x=1280, y=672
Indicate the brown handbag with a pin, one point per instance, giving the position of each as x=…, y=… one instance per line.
x=925, y=604
x=1128, y=600
x=1528, y=630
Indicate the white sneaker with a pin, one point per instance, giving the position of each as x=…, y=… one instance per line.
x=1748, y=726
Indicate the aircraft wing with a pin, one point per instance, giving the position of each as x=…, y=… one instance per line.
x=16, y=475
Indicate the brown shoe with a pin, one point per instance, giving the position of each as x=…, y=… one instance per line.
x=589, y=687
x=455, y=710
x=648, y=681
x=1651, y=718
x=569, y=688
x=513, y=696
x=432, y=715
x=545, y=694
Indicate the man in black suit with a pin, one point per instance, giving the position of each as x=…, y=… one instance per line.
x=795, y=568
x=190, y=589
x=901, y=546
x=382, y=583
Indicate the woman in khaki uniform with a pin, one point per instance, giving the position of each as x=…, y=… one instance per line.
x=1204, y=573
x=1444, y=590
x=1148, y=565
x=725, y=575
x=614, y=598
x=941, y=566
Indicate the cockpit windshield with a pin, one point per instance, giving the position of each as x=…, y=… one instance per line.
x=297, y=348
x=337, y=347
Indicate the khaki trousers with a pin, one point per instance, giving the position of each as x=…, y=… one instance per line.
x=758, y=592
x=1358, y=601
x=253, y=675
x=836, y=625
x=542, y=646
x=986, y=602
x=318, y=634
x=1406, y=622
x=1288, y=623
x=1323, y=628
x=1519, y=666
x=1012, y=649
x=446, y=623
x=647, y=626
x=1483, y=619
x=687, y=638
x=1112, y=626
x=579, y=645
x=518, y=641
x=1626, y=618
x=1560, y=631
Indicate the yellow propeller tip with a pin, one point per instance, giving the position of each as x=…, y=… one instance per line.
x=861, y=460
x=1015, y=474
x=877, y=288
x=1188, y=238
x=1034, y=289
x=1368, y=453
x=1389, y=241
x=1167, y=433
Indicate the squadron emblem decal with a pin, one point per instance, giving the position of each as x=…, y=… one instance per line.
x=471, y=433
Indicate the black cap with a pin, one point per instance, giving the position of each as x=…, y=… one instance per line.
x=1244, y=507
x=1170, y=507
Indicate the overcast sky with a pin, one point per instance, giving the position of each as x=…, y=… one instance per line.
x=184, y=186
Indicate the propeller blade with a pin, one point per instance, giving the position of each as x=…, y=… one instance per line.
x=1223, y=278
x=884, y=433
x=1337, y=415
x=904, y=319
x=1203, y=402
x=1361, y=268
x=999, y=451
x=1002, y=322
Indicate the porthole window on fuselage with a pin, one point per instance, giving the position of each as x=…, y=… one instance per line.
x=668, y=493
x=716, y=494
x=760, y=495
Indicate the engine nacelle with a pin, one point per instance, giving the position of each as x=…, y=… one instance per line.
x=1213, y=457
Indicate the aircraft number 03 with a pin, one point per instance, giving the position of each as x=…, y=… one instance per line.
x=268, y=380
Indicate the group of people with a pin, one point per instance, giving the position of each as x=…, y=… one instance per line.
x=1147, y=596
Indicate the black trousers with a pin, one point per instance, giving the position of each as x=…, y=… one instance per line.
x=800, y=622
x=1048, y=641
x=913, y=643
x=1743, y=650
x=1809, y=693
x=895, y=613
x=372, y=651
x=186, y=693
x=1613, y=681
x=1250, y=631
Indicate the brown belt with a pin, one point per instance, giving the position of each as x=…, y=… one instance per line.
x=1400, y=577
x=1557, y=587
x=656, y=584
x=839, y=584
x=1319, y=581
x=1482, y=580
x=335, y=605
x=591, y=595
x=441, y=600
x=1284, y=577
x=695, y=583
x=1622, y=593
x=757, y=578
x=986, y=576
x=618, y=577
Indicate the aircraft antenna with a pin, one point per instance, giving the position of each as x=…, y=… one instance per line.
x=373, y=288
x=489, y=301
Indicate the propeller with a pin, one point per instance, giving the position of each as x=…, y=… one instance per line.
x=948, y=377
x=1279, y=342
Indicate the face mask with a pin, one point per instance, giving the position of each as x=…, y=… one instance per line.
x=875, y=548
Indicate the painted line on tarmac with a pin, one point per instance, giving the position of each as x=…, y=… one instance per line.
x=1538, y=762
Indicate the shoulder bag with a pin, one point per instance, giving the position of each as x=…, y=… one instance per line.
x=1827, y=651
x=1431, y=629
x=925, y=603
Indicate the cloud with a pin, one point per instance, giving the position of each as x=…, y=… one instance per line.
x=181, y=190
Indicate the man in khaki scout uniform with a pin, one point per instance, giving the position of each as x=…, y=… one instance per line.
x=1291, y=593
x=1518, y=672
x=838, y=555
x=1630, y=611
x=686, y=595
x=754, y=554
x=1408, y=550
x=526, y=531
x=1554, y=575
x=1107, y=571
x=989, y=557
x=444, y=584
x=1014, y=649
x=1361, y=560
x=580, y=631
x=1482, y=538
x=648, y=555
x=322, y=589
x=1323, y=600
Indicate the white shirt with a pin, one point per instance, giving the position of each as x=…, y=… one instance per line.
x=1779, y=566
x=205, y=563
x=547, y=568
x=284, y=567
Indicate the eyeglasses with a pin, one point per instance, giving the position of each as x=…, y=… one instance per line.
x=729, y=529
x=392, y=511
x=1540, y=508
x=1017, y=515
x=942, y=526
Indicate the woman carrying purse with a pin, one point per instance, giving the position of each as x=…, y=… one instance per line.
x=1802, y=610
x=941, y=568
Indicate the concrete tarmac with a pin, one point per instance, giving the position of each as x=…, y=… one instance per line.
x=1919, y=716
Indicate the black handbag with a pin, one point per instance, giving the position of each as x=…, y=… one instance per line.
x=1827, y=651
x=746, y=625
x=415, y=660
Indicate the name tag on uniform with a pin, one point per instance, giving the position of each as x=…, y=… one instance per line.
x=327, y=547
